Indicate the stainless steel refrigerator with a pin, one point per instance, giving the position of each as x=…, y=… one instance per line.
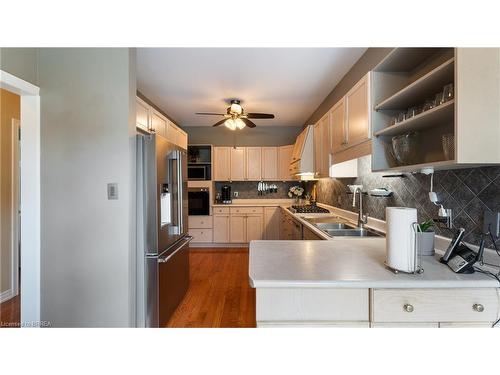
x=162, y=240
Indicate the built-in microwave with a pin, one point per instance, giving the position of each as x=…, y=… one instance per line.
x=198, y=172
x=199, y=201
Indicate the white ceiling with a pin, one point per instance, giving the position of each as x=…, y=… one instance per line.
x=289, y=82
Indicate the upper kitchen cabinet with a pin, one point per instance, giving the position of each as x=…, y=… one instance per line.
x=150, y=120
x=222, y=163
x=436, y=107
x=350, y=129
x=270, y=163
x=159, y=124
x=253, y=161
x=322, y=146
x=357, y=118
x=142, y=114
x=337, y=127
x=238, y=165
x=284, y=159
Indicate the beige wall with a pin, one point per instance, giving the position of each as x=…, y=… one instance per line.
x=365, y=63
x=258, y=136
x=87, y=141
x=10, y=106
x=21, y=62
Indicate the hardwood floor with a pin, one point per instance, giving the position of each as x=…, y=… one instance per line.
x=219, y=293
x=10, y=312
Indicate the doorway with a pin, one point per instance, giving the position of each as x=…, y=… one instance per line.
x=9, y=208
x=23, y=192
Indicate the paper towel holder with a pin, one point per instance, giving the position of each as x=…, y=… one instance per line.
x=417, y=260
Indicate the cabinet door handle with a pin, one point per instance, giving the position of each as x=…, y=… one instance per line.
x=478, y=307
x=408, y=308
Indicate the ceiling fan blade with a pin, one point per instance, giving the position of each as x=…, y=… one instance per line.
x=260, y=115
x=219, y=123
x=248, y=123
x=210, y=114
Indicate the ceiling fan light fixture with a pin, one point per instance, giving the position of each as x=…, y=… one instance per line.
x=240, y=124
x=230, y=124
x=236, y=108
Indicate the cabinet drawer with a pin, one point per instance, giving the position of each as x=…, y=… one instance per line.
x=200, y=222
x=435, y=305
x=312, y=305
x=201, y=235
x=247, y=210
x=221, y=210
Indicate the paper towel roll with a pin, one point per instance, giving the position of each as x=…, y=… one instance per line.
x=400, y=238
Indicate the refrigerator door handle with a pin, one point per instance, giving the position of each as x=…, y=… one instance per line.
x=172, y=176
x=185, y=241
x=180, y=192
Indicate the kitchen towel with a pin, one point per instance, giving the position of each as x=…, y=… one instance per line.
x=400, y=238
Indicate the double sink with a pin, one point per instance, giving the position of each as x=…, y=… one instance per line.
x=335, y=226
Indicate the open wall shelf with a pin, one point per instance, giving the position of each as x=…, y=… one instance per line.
x=421, y=89
x=435, y=116
x=407, y=77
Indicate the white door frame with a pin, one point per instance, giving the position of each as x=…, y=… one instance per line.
x=15, y=206
x=30, y=195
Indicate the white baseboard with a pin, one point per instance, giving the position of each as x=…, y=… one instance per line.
x=6, y=295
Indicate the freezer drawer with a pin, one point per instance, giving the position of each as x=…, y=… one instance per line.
x=173, y=280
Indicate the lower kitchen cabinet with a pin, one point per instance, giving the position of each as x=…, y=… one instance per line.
x=272, y=223
x=312, y=307
x=377, y=308
x=201, y=235
x=286, y=227
x=221, y=228
x=200, y=228
x=434, y=305
x=237, y=228
x=254, y=227
x=246, y=224
x=308, y=234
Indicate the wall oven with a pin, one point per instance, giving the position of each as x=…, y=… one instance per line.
x=199, y=201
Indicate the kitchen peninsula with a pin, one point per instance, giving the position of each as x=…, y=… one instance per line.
x=343, y=282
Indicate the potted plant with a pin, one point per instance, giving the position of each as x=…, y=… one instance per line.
x=296, y=191
x=425, y=238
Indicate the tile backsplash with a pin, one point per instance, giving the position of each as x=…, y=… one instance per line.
x=248, y=189
x=468, y=192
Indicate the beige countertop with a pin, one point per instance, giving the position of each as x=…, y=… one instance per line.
x=346, y=263
x=270, y=202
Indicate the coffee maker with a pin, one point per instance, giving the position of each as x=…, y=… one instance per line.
x=226, y=194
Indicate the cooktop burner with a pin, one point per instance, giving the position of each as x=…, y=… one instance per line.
x=309, y=209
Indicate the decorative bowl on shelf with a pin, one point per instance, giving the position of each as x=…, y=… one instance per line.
x=404, y=148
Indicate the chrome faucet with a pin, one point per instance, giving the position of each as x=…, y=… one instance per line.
x=362, y=218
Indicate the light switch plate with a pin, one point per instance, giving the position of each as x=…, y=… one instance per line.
x=113, y=191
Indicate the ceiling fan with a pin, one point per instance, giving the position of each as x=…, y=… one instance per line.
x=236, y=118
